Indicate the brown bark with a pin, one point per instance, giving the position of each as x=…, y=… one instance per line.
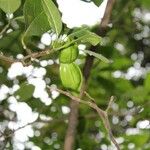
x=74, y=106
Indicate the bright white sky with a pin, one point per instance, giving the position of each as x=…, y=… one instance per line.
x=76, y=12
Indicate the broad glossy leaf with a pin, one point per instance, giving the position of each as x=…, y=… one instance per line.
x=53, y=15
x=9, y=6
x=25, y=92
x=97, y=2
x=38, y=26
x=84, y=35
x=32, y=8
x=11, y=42
x=99, y=56
x=147, y=83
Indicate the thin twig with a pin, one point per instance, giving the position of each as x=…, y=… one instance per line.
x=88, y=95
x=102, y=114
x=5, y=28
x=28, y=51
x=13, y=131
x=32, y=55
x=7, y=59
x=111, y=101
x=38, y=54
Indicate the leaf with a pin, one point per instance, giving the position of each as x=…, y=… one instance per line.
x=84, y=35
x=97, y=2
x=11, y=42
x=25, y=92
x=53, y=15
x=122, y=85
x=38, y=26
x=10, y=6
x=121, y=63
x=138, y=139
x=138, y=94
x=31, y=9
x=99, y=56
x=145, y=3
x=20, y=19
x=147, y=83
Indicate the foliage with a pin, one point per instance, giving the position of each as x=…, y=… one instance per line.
x=121, y=68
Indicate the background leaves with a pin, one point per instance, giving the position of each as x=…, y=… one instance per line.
x=9, y=6
x=127, y=77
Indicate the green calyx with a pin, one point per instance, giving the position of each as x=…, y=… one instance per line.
x=69, y=55
x=71, y=76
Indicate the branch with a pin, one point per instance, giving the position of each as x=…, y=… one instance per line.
x=102, y=114
x=13, y=131
x=107, y=14
x=110, y=103
x=7, y=59
x=34, y=55
x=38, y=54
x=5, y=28
x=73, y=117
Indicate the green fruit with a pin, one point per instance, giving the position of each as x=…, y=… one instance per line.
x=69, y=55
x=71, y=76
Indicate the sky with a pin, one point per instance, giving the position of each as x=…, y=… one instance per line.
x=76, y=13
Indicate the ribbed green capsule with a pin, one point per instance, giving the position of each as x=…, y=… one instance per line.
x=71, y=76
x=69, y=55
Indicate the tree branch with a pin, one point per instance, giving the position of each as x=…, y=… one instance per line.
x=102, y=114
x=13, y=131
x=74, y=105
x=7, y=59
x=34, y=55
x=4, y=29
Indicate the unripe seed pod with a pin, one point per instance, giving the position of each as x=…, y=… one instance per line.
x=69, y=55
x=71, y=76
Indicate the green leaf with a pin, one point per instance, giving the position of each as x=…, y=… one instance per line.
x=97, y=2
x=25, y=92
x=138, y=139
x=38, y=26
x=31, y=9
x=99, y=56
x=121, y=63
x=53, y=15
x=20, y=19
x=84, y=35
x=10, y=6
x=10, y=43
x=138, y=94
x=145, y=3
x=147, y=83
